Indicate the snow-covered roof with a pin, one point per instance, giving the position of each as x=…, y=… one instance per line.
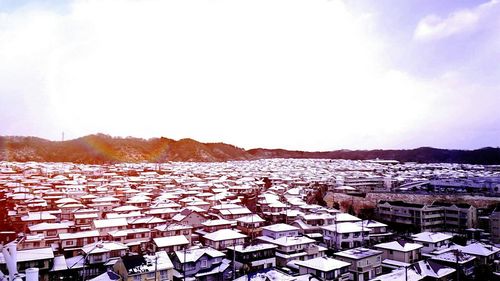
x=81, y=234
x=224, y=234
x=358, y=253
x=345, y=227
x=280, y=227
x=193, y=254
x=110, y=223
x=32, y=255
x=431, y=237
x=480, y=249
x=324, y=264
x=171, y=241
x=401, y=246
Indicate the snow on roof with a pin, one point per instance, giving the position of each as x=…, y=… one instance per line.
x=171, y=241
x=253, y=218
x=193, y=254
x=253, y=248
x=480, y=249
x=59, y=263
x=345, y=227
x=81, y=234
x=451, y=256
x=217, y=222
x=125, y=232
x=344, y=217
x=358, y=253
x=146, y=220
x=35, y=216
x=400, y=246
x=110, y=223
x=32, y=255
x=172, y=226
x=431, y=237
x=86, y=216
x=324, y=264
x=400, y=274
x=280, y=227
x=132, y=214
x=224, y=234
x=126, y=208
x=432, y=269
x=288, y=241
x=371, y=223
x=103, y=247
x=48, y=226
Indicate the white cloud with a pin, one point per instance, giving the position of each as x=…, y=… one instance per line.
x=434, y=27
x=298, y=74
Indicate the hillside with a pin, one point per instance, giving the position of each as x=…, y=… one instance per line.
x=100, y=148
x=487, y=156
x=97, y=149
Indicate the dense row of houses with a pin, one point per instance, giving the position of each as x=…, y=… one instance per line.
x=222, y=221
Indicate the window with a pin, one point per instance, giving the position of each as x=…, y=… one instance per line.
x=69, y=243
x=204, y=263
x=391, y=252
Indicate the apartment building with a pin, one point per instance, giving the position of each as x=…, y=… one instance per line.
x=428, y=217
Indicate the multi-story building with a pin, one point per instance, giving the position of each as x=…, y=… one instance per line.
x=345, y=235
x=253, y=257
x=428, y=217
x=325, y=268
x=431, y=241
x=365, y=263
x=495, y=226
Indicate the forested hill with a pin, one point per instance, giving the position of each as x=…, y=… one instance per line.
x=100, y=148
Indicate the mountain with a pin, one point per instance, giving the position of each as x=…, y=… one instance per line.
x=100, y=148
x=486, y=156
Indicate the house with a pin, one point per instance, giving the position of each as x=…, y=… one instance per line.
x=190, y=217
x=41, y=258
x=253, y=257
x=107, y=225
x=484, y=253
x=170, y=243
x=365, y=263
x=294, y=248
x=204, y=264
x=33, y=242
x=399, y=251
x=431, y=240
x=345, y=235
x=250, y=225
x=325, y=268
x=422, y=270
x=101, y=252
x=458, y=260
x=378, y=230
x=134, y=238
x=173, y=229
x=276, y=231
x=71, y=243
x=218, y=224
x=224, y=238
x=145, y=267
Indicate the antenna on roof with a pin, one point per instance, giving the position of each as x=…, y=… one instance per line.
x=62, y=137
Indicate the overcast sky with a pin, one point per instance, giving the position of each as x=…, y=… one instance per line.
x=296, y=74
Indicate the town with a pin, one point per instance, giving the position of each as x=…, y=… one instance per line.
x=273, y=219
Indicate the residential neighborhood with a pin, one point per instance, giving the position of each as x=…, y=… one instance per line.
x=245, y=220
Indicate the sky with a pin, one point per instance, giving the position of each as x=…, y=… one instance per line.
x=295, y=74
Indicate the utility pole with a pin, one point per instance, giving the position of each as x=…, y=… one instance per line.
x=234, y=259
